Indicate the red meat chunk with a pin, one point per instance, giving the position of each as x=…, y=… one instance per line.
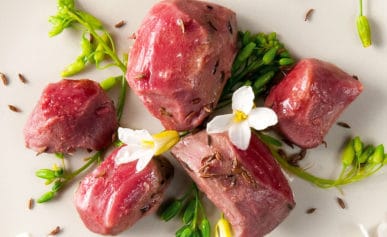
x=247, y=186
x=71, y=114
x=310, y=99
x=114, y=197
x=181, y=60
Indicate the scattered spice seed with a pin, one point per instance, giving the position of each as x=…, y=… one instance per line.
x=310, y=210
x=325, y=144
x=133, y=36
x=120, y=24
x=343, y=124
x=210, y=7
x=4, y=78
x=341, y=203
x=212, y=26
x=229, y=27
x=308, y=14
x=22, y=78
x=14, y=108
x=30, y=204
x=55, y=231
x=355, y=77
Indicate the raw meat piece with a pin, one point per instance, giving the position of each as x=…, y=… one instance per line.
x=181, y=60
x=310, y=99
x=247, y=186
x=71, y=114
x=114, y=197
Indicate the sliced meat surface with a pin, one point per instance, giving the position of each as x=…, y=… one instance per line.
x=310, y=99
x=113, y=197
x=181, y=60
x=71, y=114
x=247, y=186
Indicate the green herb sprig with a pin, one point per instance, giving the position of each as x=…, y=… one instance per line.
x=358, y=162
x=97, y=47
x=192, y=213
x=261, y=56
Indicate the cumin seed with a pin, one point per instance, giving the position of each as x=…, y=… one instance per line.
x=325, y=144
x=14, y=108
x=30, y=204
x=310, y=210
x=4, y=79
x=355, y=77
x=215, y=67
x=209, y=140
x=343, y=124
x=222, y=76
x=55, y=231
x=229, y=27
x=208, y=107
x=22, y=78
x=196, y=101
x=308, y=14
x=341, y=203
x=212, y=26
x=163, y=111
x=210, y=7
x=120, y=24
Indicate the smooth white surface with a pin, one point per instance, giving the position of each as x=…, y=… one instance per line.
x=329, y=35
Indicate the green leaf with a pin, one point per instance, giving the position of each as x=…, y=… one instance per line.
x=171, y=210
x=205, y=228
x=45, y=174
x=189, y=211
x=46, y=197
x=66, y=3
x=90, y=19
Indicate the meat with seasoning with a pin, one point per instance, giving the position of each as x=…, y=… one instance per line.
x=113, y=197
x=247, y=186
x=71, y=114
x=181, y=60
x=310, y=99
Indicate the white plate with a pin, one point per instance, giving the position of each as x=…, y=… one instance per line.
x=329, y=35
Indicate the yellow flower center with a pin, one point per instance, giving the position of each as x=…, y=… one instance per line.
x=239, y=116
x=165, y=140
x=148, y=144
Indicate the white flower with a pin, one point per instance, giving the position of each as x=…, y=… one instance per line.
x=142, y=146
x=243, y=117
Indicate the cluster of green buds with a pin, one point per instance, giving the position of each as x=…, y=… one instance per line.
x=96, y=42
x=53, y=176
x=192, y=213
x=360, y=161
x=260, y=57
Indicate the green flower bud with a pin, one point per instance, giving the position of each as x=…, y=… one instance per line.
x=45, y=174
x=189, y=211
x=73, y=68
x=378, y=156
x=205, y=228
x=364, y=30
x=171, y=210
x=348, y=154
x=46, y=197
x=269, y=55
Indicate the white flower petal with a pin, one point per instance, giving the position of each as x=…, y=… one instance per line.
x=261, y=118
x=130, y=136
x=243, y=99
x=219, y=124
x=145, y=159
x=382, y=229
x=240, y=134
x=128, y=154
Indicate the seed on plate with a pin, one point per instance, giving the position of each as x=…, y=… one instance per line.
x=212, y=26
x=343, y=124
x=22, y=78
x=14, y=108
x=4, y=78
x=310, y=210
x=341, y=203
x=55, y=231
x=120, y=24
x=308, y=14
x=30, y=203
x=325, y=144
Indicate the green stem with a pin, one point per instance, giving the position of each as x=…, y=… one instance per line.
x=91, y=161
x=112, y=54
x=121, y=98
x=361, y=7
